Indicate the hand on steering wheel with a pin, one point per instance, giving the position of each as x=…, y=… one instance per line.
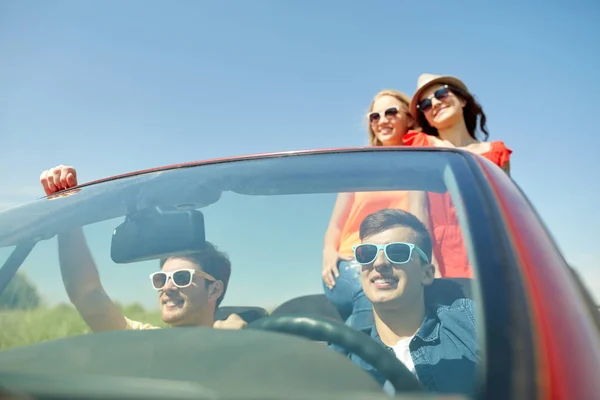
x=339, y=334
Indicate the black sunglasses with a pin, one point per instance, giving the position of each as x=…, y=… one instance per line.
x=440, y=94
x=390, y=112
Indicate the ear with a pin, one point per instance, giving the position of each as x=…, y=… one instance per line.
x=215, y=290
x=428, y=274
x=463, y=102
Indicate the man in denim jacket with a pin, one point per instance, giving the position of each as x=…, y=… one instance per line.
x=438, y=343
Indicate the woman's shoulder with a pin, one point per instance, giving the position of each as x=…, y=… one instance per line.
x=498, y=153
x=416, y=138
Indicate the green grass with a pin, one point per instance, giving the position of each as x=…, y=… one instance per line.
x=24, y=327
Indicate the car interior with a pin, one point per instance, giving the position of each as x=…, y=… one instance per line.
x=156, y=228
x=442, y=291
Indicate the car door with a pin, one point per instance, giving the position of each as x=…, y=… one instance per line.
x=553, y=347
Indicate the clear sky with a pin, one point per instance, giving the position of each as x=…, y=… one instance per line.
x=113, y=86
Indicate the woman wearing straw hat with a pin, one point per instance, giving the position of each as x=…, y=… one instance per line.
x=389, y=120
x=450, y=116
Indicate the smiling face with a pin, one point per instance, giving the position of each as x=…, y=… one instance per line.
x=191, y=305
x=389, y=120
x=386, y=284
x=445, y=110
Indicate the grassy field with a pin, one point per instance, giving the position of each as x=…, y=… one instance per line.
x=19, y=328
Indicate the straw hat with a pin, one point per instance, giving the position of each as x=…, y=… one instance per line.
x=426, y=80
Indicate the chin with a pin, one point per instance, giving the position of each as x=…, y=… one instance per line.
x=172, y=317
x=388, y=140
x=390, y=298
x=381, y=298
x=169, y=318
x=447, y=118
x=441, y=122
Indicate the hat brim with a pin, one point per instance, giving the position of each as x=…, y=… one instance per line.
x=449, y=80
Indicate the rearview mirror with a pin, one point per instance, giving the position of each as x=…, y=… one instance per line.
x=155, y=233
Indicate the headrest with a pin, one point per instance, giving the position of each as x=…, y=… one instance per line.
x=447, y=290
x=313, y=304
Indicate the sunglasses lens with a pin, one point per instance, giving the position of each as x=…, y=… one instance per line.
x=398, y=252
x=391, y=112
x=182, y=278
x=159, y=280
x=374, y=117
x=365, y=253
x=441, y=93
x=425, y=105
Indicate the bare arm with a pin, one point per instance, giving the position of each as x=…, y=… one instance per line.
x=77, y=266
x=419, y=207
x=82, y=282
x=340, y=213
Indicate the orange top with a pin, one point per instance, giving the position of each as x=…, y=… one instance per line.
x=363, y=204
x=448, y=246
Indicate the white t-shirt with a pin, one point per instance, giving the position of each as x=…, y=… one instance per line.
x=402, y=351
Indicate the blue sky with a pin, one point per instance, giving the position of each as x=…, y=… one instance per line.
x=117, y=86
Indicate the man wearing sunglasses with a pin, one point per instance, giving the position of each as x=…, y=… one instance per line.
x=190, y=287
x=436, y=342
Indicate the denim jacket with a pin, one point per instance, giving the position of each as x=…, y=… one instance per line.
x=444, y=350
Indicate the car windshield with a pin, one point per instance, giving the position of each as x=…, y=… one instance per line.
x=287, y=224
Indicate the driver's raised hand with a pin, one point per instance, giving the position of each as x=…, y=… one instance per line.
x=58, y=178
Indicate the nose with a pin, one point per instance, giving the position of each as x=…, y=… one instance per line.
x=169, y=285
x=383, y=119
x=435, y=102
x=380, y=261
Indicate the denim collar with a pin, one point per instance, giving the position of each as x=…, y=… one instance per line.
x=429, y=330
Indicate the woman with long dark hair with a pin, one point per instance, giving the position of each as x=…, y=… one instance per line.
x=450, y=116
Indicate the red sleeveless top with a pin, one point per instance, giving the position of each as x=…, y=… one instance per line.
x=448, y=247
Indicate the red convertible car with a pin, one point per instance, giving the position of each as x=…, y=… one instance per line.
x=538, y=329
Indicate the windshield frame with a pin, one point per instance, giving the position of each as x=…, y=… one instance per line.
x=510, y=361
x=123, y=192
x=503, y=297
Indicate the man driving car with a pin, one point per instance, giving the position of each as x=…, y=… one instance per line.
x=190, y=287
x=437, y=343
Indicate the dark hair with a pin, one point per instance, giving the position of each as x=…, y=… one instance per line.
x=389, y=218
x=471, y=113
x=211, y=261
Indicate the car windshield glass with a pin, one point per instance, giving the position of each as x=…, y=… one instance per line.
x=330, y=235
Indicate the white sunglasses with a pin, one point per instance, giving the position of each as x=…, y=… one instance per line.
x=181, y=278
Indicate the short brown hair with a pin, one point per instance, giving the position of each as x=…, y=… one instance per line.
x=389, y=218
x=211, y=261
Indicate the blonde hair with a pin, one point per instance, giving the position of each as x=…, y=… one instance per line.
x=404, y=100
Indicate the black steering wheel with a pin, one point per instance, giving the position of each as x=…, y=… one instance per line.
x=339, y=334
